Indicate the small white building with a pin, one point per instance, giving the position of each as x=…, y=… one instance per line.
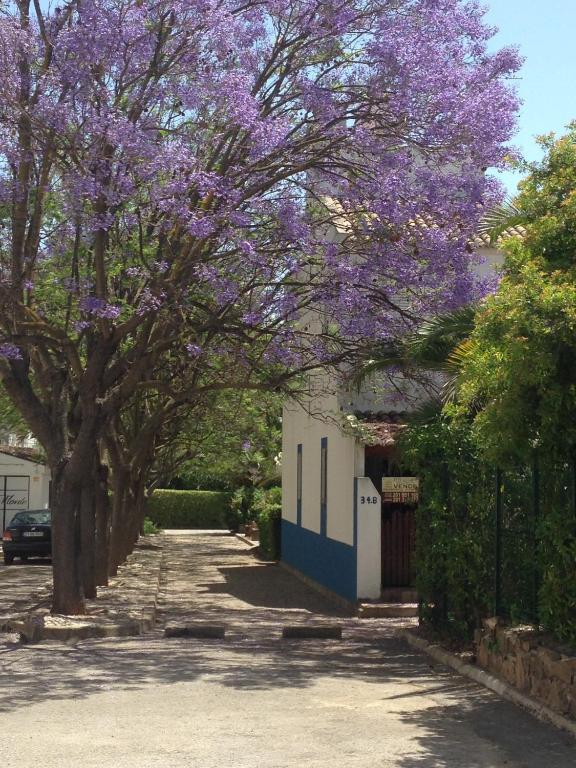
x=24, y=481
x=336, y=530
x=348, y=510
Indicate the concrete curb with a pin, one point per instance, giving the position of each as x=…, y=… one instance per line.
x=506, y=691
x=198, y=631
x=245, y=540
x=128, y=607
x=312, y=632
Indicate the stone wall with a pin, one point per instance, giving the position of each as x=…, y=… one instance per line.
x=531, y=661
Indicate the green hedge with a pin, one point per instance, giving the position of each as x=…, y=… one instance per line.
x=189, y=509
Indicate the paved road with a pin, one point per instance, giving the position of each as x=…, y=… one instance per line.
x=254, y=700
x=19, y=580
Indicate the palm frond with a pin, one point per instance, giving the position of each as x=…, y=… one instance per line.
x=499, y=219
x=430, y=347
x=425, y=413
x=385, y=357
x=433, y=341
x=454, y=364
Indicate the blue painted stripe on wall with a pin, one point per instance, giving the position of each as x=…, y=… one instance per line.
x=330, y=563
x=299, y=470
x=356, y=513
x=323, y=486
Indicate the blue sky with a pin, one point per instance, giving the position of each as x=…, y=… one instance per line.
x=545, y=33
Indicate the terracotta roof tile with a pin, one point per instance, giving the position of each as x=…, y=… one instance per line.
x=381, y=428
x=27, y=454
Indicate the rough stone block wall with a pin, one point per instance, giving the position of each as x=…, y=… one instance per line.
x=530, y=661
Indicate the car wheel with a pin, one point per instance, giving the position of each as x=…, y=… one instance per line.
x=8, y=558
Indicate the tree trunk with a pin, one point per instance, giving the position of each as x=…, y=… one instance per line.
x=88, y=537
x=138, y=510
x=68, y=596
x=117, y=532
x=102, y=527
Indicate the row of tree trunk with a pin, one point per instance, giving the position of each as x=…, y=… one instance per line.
x=98, y=508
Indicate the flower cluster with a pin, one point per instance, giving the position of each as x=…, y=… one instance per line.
x=99, y=308
x=288, y=159
x=10, y=352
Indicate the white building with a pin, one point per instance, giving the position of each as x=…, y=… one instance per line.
x=337, y=529
x=24, y=482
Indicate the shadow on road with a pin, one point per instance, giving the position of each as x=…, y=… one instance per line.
x=255, y=600
x=268, y=585
x=521, y=740
x=20, y=581
x=38, y=673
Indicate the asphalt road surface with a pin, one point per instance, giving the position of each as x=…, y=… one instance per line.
x=255, y=700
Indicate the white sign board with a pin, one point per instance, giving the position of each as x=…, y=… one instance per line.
x=400, y=490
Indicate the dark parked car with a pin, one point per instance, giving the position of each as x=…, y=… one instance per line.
x=28, y=535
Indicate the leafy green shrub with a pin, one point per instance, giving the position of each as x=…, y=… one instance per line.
x=189, y=509
x=150, y=528
x=241, y=507
x=268, y=508
x=456, y=541
x=454, y=549
x=199, y=480
x=557, y=551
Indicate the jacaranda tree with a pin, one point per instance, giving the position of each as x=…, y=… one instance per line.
x=184, y=179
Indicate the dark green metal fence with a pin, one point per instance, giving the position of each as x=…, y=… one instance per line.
x=525, y=499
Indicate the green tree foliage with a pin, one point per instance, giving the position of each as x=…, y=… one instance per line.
x=11, y=421
x=235, y=440
x=519, y=375
x=454, y=551
x=516, y=399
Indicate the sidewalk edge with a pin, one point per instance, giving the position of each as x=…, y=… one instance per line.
x=503, y=689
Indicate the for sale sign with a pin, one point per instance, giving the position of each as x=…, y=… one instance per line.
x=400, y=490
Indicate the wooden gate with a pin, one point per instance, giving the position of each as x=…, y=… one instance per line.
x=398, y=541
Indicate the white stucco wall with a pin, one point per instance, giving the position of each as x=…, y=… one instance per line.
x=369, y=515
x=39, y=476
x=345, y=460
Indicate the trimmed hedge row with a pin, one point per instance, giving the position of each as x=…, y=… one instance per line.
x=189, y=509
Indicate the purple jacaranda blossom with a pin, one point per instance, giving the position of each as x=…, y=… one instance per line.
x=92, y=305
x=10, y=351
x=292, y=165
x=135, y=272
x=150, y=302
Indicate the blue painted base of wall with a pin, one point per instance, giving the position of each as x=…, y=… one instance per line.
x=328, y=562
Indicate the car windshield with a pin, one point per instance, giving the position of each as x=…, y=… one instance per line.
x=42, y=517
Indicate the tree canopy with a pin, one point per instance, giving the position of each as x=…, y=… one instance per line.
x=520, y=367
x=184, y=184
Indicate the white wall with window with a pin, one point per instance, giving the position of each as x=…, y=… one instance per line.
x=24, y=483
